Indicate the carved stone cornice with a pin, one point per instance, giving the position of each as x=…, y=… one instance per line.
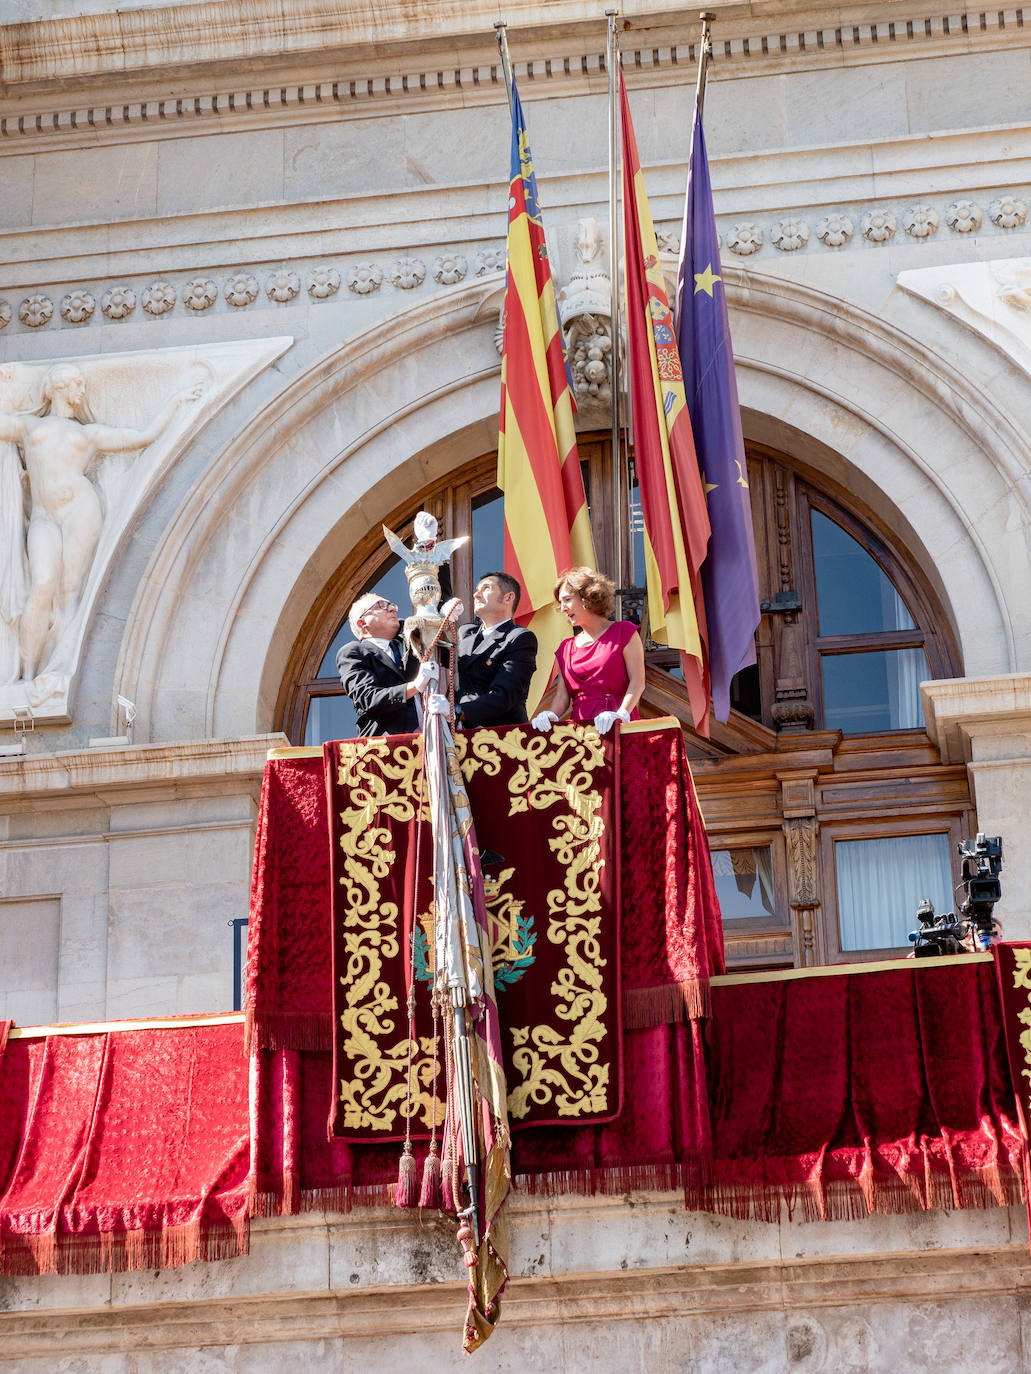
x=393, y=55
x=211, y=762
x=811, y=1289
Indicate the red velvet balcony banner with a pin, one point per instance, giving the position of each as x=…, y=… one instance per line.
x=846, y=1091
x=833, y=1093
x=127, y=1149
x=670, y=931
x=547, y=826
x=1013, y=979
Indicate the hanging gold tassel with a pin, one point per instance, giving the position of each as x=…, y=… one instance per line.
x=430, y=1196
x=447, y=1186
x=405, y=1193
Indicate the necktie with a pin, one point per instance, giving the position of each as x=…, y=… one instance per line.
x=395, y=649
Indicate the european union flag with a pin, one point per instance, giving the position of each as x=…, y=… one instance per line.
x=729, y=578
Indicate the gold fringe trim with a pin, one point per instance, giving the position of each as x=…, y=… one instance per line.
x=857, y=1198
x=125, y=1251
x=279, y=1030
x=671, y=1003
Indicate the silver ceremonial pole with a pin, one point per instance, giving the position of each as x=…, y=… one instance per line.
x=618, y=503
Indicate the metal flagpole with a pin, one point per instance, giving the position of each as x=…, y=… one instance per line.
x=618, y=503
x=501, y=29
x=704, y=58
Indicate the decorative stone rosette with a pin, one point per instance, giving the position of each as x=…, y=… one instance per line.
x=283, y=286
x=879, y=226
x=835, y=230
x=365, y=278
x=491, y=260
x=78, y=307
x=158, y=298
x=323, y=282
x=200, y=294
x=450, y=268
x=921, y=222
x=118, y=302
x=964, y=216
x=241, y=290
x=1008, y=212
x=789, y=235
x=745, y=239
x=407, y=274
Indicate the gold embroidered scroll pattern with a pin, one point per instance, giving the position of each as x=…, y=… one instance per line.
x=558, y=770
x=381, y=781
x=1022, y=982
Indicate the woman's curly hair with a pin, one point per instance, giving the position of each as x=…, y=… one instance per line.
x=595, y=590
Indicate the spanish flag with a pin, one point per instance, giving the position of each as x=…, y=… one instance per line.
x=672, y=501
x=547, y=527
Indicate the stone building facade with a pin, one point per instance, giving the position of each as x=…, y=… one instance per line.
x=271, y=240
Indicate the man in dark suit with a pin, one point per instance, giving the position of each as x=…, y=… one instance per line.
x=375, y=672
x=496, y=658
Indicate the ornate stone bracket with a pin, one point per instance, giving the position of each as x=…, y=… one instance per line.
x=585, y=308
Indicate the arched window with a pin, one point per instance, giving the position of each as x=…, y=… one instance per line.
x=826, y=804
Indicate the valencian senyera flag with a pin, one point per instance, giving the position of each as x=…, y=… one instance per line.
x=547, y=527
x=729, y=578
x=676, y=526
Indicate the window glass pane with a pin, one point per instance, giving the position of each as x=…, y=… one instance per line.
x=744, y=883
x=637, y=573
x=853, y=596
x=882, y=882
x=488, y=536
x=874, y=691
x=390, y=583
x=330, y=718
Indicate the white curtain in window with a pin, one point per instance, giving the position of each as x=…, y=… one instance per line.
x=882, y=882
x=907, y=668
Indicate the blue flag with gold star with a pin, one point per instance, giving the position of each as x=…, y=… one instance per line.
x=729, y=578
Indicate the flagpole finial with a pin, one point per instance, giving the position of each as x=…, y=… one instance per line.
x=704, y=57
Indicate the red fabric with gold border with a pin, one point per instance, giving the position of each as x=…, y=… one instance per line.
x=546, y=820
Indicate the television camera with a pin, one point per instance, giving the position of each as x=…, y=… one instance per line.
x=973, y=927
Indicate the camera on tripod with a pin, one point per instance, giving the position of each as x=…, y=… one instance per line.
x=974, y=928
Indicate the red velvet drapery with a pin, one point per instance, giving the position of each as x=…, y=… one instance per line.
x=126, y=1149
x=838, y=1092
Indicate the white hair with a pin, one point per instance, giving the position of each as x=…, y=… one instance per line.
x=358, y=609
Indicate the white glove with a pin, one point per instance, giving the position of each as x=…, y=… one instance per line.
x=544, y=721
x=451, y=610
x=437, y=704
x=604, y=721
x=426, y=676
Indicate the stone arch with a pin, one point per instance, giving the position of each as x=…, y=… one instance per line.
x=256, y=542
x=888, y=417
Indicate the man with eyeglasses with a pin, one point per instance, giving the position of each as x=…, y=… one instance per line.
x=376, y=673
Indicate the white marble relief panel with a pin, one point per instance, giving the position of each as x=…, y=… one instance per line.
x=992, y=297
x=82, y=443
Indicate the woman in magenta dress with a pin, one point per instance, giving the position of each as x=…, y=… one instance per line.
x=601, y=669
